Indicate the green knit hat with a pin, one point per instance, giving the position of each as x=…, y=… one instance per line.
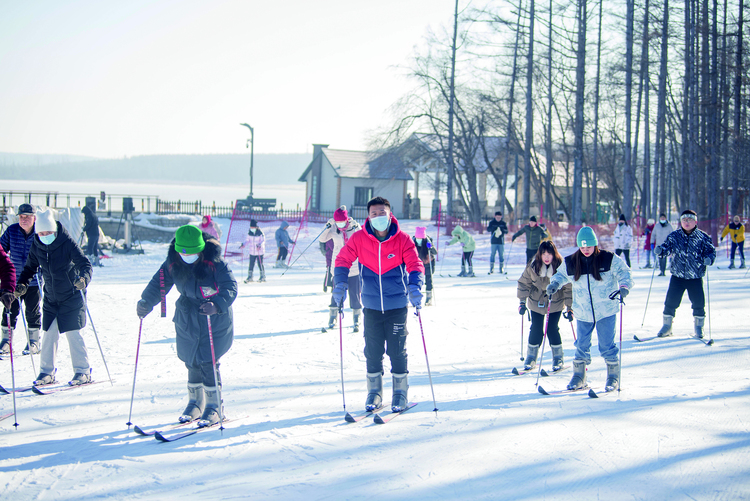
x=189, y=240
x=586, y=237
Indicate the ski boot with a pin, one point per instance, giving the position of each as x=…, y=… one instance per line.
x=333, y=313
x=471, y=271
x=249, y=278
x=731, y=264
x=699, y=326
x=492, y=268
x=578, y=380
x=80, y=378
x=531, y=353
x=357, y=314
x=211, y=412
x=648, y=266
x=742, y=263
x=43, y=378
x=32, y=347
x=661, y=274
x=428, y=298
x=262, y=276
x=196, y=403
x=500, y=268
x=374, y=391
x=613, y=375
x=400, y=399
x=557, y=357
x=666, y=329
x=463, y=271
x=5, y=343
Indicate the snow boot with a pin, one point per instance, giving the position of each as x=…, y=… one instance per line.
x=333, y=313
x=492, y=268
x=531, y=353
x=731, y=264
x=211, y=412
x=742, y=263
x=428, y=300
x=648, y=266
x=463, y=271
x=471, y=271
x=32, y=347
x=249, y=278
x=262, y=276
x=500, y=267
x=578, y=380
x=661, y=274
x=557, y=357
x=699, y=326
x=374, y=391
x=5, y=343
x=357, y=314
x=400, y=399
x=43, y=378
x=196, y=403
x=613, y=375
x=666, y=329
x=80, y=378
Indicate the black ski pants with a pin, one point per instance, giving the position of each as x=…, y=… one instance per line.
x=627, y=255
x=386, y=333
x=251, y=265
x=536, y=332
x=428, y=270
x=203, y=374
x=32, y=300
x=530, y=253
x=282, y=253
x=677, y=287
x=663, y=264
x=739, y=245
x=466, y=258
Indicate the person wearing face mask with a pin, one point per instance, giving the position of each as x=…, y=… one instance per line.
x=595, y=274
x=391, y=275
x=692, y=251
x=623, y=236
x=66, y=273
x=497, y=229
x=534, y=236
x=661, y=231
x=339, y=230
x=648, y=232
x=469, y=245
x=255, y=243
x=427, y=253
x=532, y=286
x=207, y=289
x=736, y=232
x=17, y=241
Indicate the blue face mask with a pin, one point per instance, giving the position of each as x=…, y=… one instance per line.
x=380, y=223
x=48, y=239
x=190, y=258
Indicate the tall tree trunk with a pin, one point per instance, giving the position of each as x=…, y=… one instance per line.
x=628, y=177
x=595, y=166
x=645, y=76
x=737, y=139
x=451, y=163
x=549, y=202
x=661, y=134
x=724, y=117
x=529, y=117
x=580, y=97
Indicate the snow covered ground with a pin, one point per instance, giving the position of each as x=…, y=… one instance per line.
x=680, y=429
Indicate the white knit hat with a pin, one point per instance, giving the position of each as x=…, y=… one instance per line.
x=45, y=221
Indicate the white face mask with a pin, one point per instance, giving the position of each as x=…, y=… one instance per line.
x=47, y=239
x=341, y=224
x=189, y=258
x=380, y=223
x=663, y=221
x=419, y=241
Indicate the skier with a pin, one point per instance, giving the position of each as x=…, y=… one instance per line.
x=209, y=226
x=66, y=273
x=736, y=232
x=91, y=228
x=497, y=228
x=17, y=240
x=648, y=232
x=692, y=251
x=534, y=236
x=391, y=276
x=427, y=253
x=532, y=286
x=661, y=232
x=284, y=242
x=595, y=274
x=467, y=242
x=622, y=237
x=255, y=241
x=207, y=290
x=7, y=286
x=339, y=230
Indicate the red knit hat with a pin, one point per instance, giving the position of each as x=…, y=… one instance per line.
x=341, y=214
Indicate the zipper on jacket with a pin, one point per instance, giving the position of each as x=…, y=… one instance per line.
x=591, y=298
x=380, y=276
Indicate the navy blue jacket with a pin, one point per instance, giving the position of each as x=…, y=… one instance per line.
x=495, y=224
x=17, y=243
x=688, y=252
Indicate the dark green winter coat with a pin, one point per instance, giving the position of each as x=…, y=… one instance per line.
x=534, y=236
x=197, y=283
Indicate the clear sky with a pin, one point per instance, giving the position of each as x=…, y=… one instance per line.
x=136, y=77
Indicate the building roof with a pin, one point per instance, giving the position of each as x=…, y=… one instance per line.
x=363, y=165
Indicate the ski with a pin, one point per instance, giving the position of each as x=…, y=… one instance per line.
x=601, y=392
x=58, y=389
x=559, y=392
x=151, y=433
x=643, y=340
x=178, y=436
x=516, y=372
x=3, y=391
x=359, y=417
x=6, y=416
x=547, y=374
x=382, y=420
x=707, y=342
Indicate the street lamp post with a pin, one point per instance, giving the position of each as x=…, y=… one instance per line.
x=252, y=147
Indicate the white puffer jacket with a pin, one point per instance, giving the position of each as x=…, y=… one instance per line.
x=623, y=236
x=340, y=237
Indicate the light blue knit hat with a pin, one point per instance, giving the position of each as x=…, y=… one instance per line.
x=586, y=237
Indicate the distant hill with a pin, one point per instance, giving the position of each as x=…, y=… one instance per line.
x=282, y=168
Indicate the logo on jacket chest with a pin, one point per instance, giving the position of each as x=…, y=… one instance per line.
x=390, y=256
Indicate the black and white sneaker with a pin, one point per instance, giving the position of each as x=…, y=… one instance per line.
x=44, y=379
x=31, y=348
x=80, y=378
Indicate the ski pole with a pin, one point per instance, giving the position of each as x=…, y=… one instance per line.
x=216, y=376
x=325, y=280
x=427, y=360
x=442, y=261
x=507, y=257
x=432, y=277
x=86, y=304
x=135, y=371
x=341, y=350
x=649, y=296
x=708, y=297
x=12, y=369
x=522, y=337
x=28, y=336
x=328, y=225
x=574, y=332
x=544, y=339
x=619, y=376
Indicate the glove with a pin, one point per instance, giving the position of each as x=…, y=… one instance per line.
x=624, y=292
x=208, y=308
x=551, y=289
x=80, y=283
x=513, y=239
x=707, y=261
x=142, y=308
x=20, y=290
x=7, y=299
x=658, y=250
x=568, y=315
x=522, y=308
x=415, y=296
x=339, y=293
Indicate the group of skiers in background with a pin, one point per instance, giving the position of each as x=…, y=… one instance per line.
x=381, y=267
